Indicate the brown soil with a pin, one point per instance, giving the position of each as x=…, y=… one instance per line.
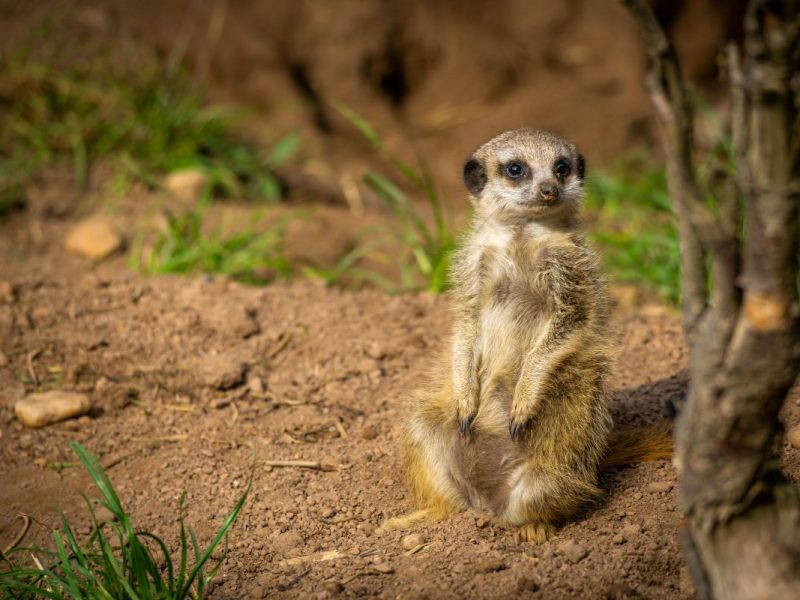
x=335, y=368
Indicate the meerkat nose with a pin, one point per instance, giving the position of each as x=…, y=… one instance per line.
x=548, y=191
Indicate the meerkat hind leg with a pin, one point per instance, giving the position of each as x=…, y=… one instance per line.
x=538, y=532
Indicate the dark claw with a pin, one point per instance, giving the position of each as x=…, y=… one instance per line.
x=517, y=429
x=465, y=424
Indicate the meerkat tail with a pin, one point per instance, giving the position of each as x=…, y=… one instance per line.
x=638, y=445
x=414, y=519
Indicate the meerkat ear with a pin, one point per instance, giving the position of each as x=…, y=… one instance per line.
x=474, y=176
x=581, y=166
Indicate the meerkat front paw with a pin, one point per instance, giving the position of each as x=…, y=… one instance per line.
x=520, y=421
x=464, y=421
x=466, y=409
x=536, y=532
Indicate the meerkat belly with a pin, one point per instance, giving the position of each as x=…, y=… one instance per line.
x=510, y=324
x=487, y=460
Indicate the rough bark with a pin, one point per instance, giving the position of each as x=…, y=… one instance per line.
x=742, y=536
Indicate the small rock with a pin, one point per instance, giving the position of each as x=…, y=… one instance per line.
x=332, y=587
x=102, y=385
x=370, y=432
x=411, y=541
x=384, y=568
x=480, y=522
x=103, y=515
x=3, y=359
x=619, y=539
x=323, y=595
x=527, y=584
x=368, y=365
x=221, y=371
x=638, y=496
x=573, y=551
x=38, y=410
x=492, y=565
x=794, y=437
x=255, y=385
x=376, y=351
x=8, y=292
x=40, y=462
x=631, y=529
x=655, y=487
x=186, y=184
x=94, y=238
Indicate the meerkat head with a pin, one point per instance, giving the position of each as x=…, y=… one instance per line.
x=526, y=174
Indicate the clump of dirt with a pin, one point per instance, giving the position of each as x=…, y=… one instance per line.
x=190, y=378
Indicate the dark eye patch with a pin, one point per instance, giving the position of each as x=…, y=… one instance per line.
x=514, y=170
x=562, y=168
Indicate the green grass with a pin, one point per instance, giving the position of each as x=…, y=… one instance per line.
x=139, y=117
x=634, y=226
x=428, y=247
x=117, y=561
x=184, y=246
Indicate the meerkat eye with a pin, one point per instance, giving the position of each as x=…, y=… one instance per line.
x=514, y=170
x=562, y=169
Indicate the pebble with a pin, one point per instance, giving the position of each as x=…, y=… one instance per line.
x=221, y=371
x=8, y=292
x=492, y=565
x=631, y=529
x=573, y=551
x=186, y=184
x=526, y=584
x=40, y=409
x=619, y=539
x=95, y=238
x=255, y=385
x=384, y=568
x=655, y=487
x=411, y=541
x=480, y=522
x=376, y=351
x=3, y=359
x=332, y=587
x=103, y=515
x=369, y=432
x=794, y=437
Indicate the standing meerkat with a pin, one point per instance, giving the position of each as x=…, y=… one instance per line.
x=518, y=423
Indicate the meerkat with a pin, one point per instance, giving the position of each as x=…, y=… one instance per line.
x=518, y=422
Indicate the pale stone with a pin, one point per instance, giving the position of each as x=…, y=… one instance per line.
x=38, y=410
x=793, y=436
x=186, y=184
x=94, y=238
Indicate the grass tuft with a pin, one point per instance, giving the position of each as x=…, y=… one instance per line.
x=634, y=226
x=429, y=247
x=143, y=119
x=185, y=246
x=117, y=561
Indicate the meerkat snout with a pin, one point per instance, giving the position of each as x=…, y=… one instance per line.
x=548, y=192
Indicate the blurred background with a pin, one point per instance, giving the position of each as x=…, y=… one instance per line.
x=270, y=139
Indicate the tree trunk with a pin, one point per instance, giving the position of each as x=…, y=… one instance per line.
x=742, y=533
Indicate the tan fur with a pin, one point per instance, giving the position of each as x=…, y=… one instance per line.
x=516, y=423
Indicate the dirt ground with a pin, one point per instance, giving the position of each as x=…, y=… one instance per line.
x=191, y=377
x=314, y=374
